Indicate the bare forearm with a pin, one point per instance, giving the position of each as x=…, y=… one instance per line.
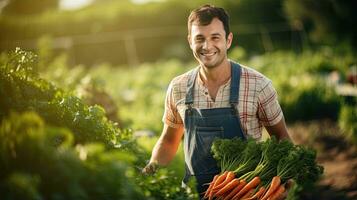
x=162, y=153
x=167, y=145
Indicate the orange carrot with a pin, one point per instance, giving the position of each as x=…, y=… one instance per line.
x=252, y=184
x=230, y=176
x=274, y=185
x=219, y=180
x=258, y=194
x=242, y=183
x=230, y=186
x=277, y=193
x=210, y=187
x=248, y=194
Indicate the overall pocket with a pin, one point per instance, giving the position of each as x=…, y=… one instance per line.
x=202, y=160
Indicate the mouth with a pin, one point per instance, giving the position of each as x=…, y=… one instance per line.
x=208, y=54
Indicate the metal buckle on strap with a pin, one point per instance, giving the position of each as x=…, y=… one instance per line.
x=189, y=109
x=234, y=108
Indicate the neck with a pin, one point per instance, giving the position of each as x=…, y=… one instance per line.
x=217, y=75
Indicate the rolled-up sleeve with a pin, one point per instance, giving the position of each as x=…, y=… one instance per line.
x=171, y=115
x=269, y=110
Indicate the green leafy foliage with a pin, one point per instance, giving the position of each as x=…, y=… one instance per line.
x=23, y=90
x=300, y=164
x=348, y=122
x=69, y=144
x=309, y=172
x=34, y=168
x=165, y=185
x=36, y=158
x=272, y=151
x=237, y=155
x=288, y=166
x=251, y=156
x=21, y=185
x=302, y=81
x=228, y=152
x=327, y=21
x=141, y=89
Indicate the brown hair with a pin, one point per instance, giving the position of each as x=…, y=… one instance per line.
x=204, y=16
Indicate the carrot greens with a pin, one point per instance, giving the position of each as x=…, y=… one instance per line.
x=262, y=168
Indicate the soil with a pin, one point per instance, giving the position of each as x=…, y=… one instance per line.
x=335, y=154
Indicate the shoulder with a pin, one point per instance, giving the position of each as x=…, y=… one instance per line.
x=179, y=83
x=252, y=76
x=178, y=88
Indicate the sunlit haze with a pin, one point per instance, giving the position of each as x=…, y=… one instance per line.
x=72, y=5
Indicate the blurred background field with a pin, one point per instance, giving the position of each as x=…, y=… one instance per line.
x=89, y=98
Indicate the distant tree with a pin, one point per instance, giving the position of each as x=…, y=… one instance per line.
x=25, y=7
x=327, y=21
x=255, y=11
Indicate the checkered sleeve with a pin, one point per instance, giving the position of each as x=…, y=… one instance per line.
x=269, y=110
x=171, y=115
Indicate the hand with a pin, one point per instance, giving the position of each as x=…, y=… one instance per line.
x=289, y=184
x=150, y=168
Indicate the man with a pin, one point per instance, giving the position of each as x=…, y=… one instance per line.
x=220, y=98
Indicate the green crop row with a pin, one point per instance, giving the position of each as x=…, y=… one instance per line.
x=65, y=149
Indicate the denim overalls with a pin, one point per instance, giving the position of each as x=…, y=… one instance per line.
x=202, y=126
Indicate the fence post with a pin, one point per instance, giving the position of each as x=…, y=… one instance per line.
x=130, y=48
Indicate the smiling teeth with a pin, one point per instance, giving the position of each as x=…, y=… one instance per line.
x=208, y=54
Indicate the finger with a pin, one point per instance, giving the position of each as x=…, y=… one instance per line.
x=145, y=170
x=148, y=170
x=289, y=184
x=283, y=195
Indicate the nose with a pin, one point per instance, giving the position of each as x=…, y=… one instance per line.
x=206, y=45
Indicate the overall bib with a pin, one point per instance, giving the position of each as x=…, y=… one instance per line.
x=202, y=126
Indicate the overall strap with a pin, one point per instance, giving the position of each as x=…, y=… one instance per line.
x=235, y=82
x=190, y=86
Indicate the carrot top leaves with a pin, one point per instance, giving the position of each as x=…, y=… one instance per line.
x=228, y=152
x=249, y=159
x=310, y=171
x=272, y=151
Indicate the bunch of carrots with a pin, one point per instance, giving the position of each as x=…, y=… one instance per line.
x=252, y=170
x=226, y=186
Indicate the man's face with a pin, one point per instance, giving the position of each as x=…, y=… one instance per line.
x=209, y=44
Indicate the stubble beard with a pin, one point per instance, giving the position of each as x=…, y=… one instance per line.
x=210, y=64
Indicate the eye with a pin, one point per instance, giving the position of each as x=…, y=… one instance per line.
x=199, y=39
x=215, y=37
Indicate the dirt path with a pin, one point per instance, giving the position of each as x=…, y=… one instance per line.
x=338, y=157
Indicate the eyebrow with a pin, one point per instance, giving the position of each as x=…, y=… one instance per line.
x=213, y=34
x=216, y=34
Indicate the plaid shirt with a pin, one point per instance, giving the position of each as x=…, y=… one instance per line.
x=257, y=106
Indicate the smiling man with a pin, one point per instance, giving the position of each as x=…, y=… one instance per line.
x=219, y=98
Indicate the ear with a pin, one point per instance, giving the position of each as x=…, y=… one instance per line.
x=189, y=40
x=229, y=40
